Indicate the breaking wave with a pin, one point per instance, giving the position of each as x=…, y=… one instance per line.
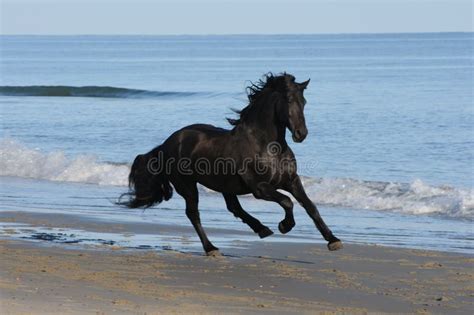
x=416, y=198
x=19, y=160
x=87, y=91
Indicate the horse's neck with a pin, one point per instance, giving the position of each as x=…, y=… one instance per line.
x=264, y=128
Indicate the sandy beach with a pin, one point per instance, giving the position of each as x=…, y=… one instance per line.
x=44, y=277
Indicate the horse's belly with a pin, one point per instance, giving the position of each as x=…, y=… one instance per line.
x=224, y=184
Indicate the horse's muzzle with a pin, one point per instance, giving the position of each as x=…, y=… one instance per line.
x=299, y=135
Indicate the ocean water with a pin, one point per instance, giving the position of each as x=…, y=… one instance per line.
x=388, y=158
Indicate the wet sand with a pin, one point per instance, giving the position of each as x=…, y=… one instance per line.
x=41, y=277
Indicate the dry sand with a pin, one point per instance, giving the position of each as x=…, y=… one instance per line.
x=263, y=277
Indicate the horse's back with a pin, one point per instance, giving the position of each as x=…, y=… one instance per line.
x=205, y=128
x=185, y=140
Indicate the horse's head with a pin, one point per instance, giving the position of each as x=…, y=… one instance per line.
x=293, y=112
x=282, y=95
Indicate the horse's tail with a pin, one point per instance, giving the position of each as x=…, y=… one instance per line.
x=148, y=182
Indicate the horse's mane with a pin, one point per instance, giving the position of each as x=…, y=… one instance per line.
x=257, y=91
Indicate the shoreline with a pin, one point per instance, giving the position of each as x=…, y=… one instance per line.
x=67, y=228
x=89, y=205
x=45, y=276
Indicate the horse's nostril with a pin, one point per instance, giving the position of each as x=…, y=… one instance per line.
x=297, y=133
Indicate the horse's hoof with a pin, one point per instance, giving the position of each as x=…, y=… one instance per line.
x=265, y=232
x=335, y=245
x=283, y=228
x=214, y=253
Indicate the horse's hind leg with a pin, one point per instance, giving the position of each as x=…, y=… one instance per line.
x=233, y=205
x=297, y=190
x=191, y=196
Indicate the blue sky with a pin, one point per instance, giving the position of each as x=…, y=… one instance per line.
x=233, y=16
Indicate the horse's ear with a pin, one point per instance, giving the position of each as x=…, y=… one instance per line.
x=304, y=84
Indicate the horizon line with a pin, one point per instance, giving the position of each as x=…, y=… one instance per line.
x=240, y=34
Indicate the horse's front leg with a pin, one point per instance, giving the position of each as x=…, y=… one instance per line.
x=297, y=190
x=267, y=192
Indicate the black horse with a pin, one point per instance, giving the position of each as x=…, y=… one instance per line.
x=253, y=157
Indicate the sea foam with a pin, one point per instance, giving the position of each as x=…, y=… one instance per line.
x=416, y=198
x=19, y=160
